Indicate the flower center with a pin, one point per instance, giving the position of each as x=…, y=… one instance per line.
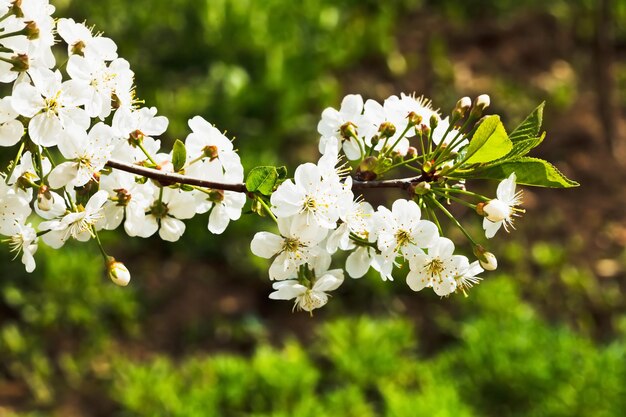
x=309, y=204
x=52, y=104
x=434, y=267
x=159, y=209
x=291, y=245
x=309, y=301
x=403, y=238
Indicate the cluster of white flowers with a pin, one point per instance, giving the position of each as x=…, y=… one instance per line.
x=72, y=122
x=81, y=114
x=318, y=213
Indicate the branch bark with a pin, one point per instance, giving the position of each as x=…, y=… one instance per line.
x=171, y=178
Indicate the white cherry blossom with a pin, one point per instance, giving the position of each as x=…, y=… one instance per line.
x=309, y=298
x=86, y=153
x=437, y=269
x=77, y=224
x=318, y=201
x=401, y=232
x=500, y=211
x=224, y=205
x=333, y=120
x=294, y=246
x=23, y=239
x=80, y=40
x=53, y=108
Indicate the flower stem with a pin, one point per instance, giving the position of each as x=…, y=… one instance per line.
x=17, y=161
x=267, y=209
x=451, y=217
x=143, y=149
x=102, y=251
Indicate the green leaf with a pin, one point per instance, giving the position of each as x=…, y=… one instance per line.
x=529, y=171
x=490, y=142
x=262, y=180
x=529, y=128
x=282, y=172
x=520, y=148
x=179, y=155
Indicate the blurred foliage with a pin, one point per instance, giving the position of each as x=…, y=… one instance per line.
x=57, y=322
x=260, y=70
x=506, y=362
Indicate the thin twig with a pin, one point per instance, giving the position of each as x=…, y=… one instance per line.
x=171, y=178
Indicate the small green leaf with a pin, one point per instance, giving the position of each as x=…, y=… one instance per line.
x=282, y=172
x=529, y=171
x=490, y=142
x=530, y=127
x=179, y=155
x=262, y=180
x=520, y=148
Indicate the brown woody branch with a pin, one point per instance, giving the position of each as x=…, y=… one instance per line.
x=171, y=178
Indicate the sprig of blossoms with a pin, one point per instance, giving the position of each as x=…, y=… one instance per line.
x=88, y=158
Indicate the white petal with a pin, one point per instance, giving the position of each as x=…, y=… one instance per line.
x=218, y=220
x=62, y=175
x=506, y=188
x=287, y=290
x=45, y=129
x=352, y=105
x=171, y=229
x=329, y=281
x=11, y=132
x=417, y=280
x=490, y=227
x=266, y=245
x=444, y=287
x=358, y=263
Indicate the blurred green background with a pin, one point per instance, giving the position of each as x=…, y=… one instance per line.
x=195, y=335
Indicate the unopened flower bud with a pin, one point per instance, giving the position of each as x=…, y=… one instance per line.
x=483, y=101
x=486, y=259
x=117, y=272
x=348, y=130
x=414, y=119
x=411, y=152
x=44, y=198
x=496, y=210
x=397, y=158
x=425, y=130
x=421, y=188
x=464, y=104
x=366, y=169
x=375, y=139
x=387, y=130
x=434, y=121
x=428, y=166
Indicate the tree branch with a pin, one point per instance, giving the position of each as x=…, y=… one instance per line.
x=167, y=178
